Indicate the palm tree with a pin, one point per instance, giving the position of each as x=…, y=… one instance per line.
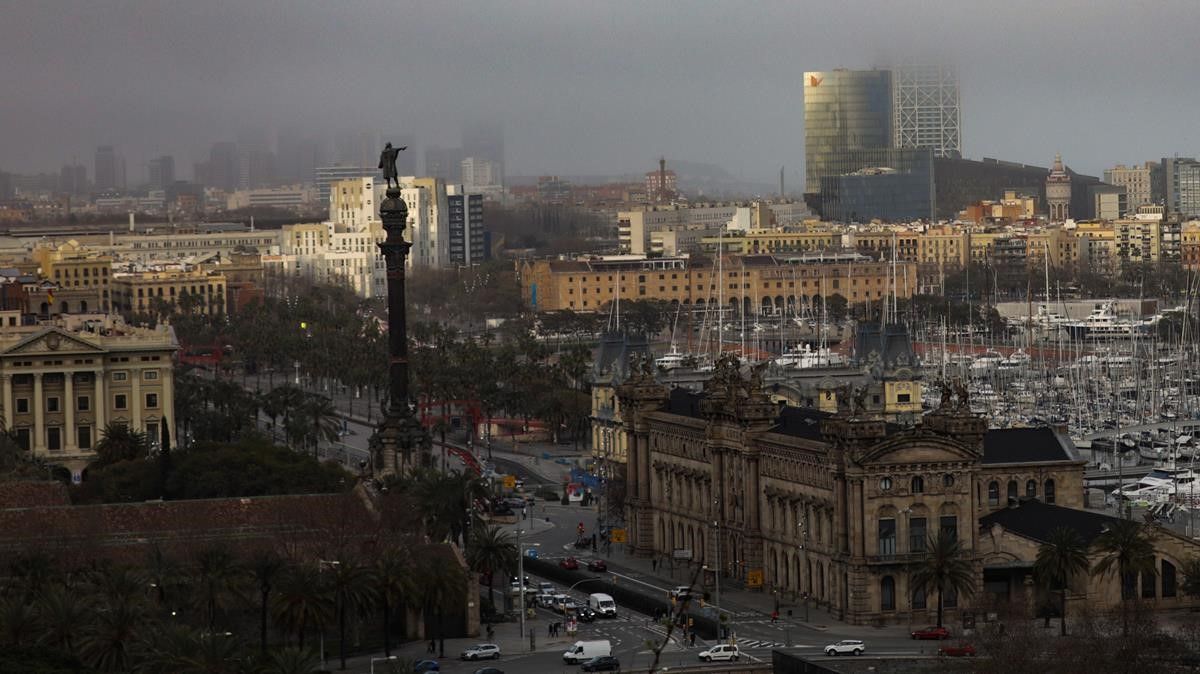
x=302, y=601
x=397, y=586
x=264, y=569
x=162, y=572
x=17, y=620
x=353, y=590
x=182, y=650
x=62, y=613
x=323, y=417
x=292, y=661
x=119, y=442
x=215, y=575
x=945, y=570
x=1059, y=559
x=492, y=551
x=1127, y=549
x=107, y=642
x=443, y=584
x=34, y=570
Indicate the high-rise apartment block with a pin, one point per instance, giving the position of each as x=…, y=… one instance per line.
x=109, y=169
x=467, y=244
x=1135, y=180
x=223, y=169
x=925, y=109
x=485, y=140
x=72, y=179
x=479, y=173
x=445, y=224
x=325, y=176
x=1181, y=177
x=162, y=171
x=444, y=163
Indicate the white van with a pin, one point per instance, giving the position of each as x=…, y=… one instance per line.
x=603, y=604
x=586, y=650
x=558, y=601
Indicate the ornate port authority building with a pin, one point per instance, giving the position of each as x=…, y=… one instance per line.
x=840, y=506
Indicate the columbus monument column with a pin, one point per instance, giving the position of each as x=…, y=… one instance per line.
x=400, y=441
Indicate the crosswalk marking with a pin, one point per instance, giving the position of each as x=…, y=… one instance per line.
x=755, y=643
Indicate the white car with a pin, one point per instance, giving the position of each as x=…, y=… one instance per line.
x=720, y=652
x=482, y=652
x=681, y=592
x=846, y=646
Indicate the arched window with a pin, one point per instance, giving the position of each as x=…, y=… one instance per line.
x=993, y=493
x=1168, y=579
x=918, y=484
x=1012, y=490
x=1048, y=491
x=885, y=484
x=918, y=597
x=1148, y=589
x=947, y=480
x=887, y=594
x=1031, y=489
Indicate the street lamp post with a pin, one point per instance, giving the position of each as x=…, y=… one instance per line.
x=321, y=564
x=521, y=577
x=374, y=660
x=807, y=566
x=717, y=575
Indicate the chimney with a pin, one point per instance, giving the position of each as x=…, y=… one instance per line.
x=131, y=221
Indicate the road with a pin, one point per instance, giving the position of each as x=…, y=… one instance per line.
x=553, y=527
x=633, y=636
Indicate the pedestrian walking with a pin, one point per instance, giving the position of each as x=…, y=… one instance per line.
x=432, y=647
x=550, y=629
x=692, y=638
x=654, y=565
x=774, y=616
x=524, y=513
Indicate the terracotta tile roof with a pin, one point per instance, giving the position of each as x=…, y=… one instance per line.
x=125, y=530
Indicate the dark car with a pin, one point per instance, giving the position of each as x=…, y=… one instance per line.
x=603, y=663
x=961, y=650
x=585, y=614
x=489, y=670
x=570, y=564
x=931, y=632
x=427, y=666
x=597, y=565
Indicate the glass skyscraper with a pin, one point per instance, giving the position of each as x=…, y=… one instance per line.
x=844, y=111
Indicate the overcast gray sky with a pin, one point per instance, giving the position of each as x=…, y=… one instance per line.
x=585, y=87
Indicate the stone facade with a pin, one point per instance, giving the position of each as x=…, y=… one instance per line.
x=834, y=505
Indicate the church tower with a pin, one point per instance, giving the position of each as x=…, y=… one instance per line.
x=1058, y=191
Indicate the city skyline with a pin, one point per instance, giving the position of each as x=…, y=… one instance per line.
x=191, y=77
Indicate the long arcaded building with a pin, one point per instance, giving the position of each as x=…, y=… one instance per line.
x=772, y=283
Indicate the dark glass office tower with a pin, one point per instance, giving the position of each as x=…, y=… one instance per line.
x=844, y=111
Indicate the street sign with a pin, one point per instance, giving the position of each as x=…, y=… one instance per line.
x=682, y=553
x=617, y=535
x=754, y=578
x=510, y=481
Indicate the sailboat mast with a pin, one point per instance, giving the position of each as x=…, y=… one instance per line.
x=720, y=292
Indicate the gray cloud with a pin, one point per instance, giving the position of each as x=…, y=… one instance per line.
x=584, y=87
